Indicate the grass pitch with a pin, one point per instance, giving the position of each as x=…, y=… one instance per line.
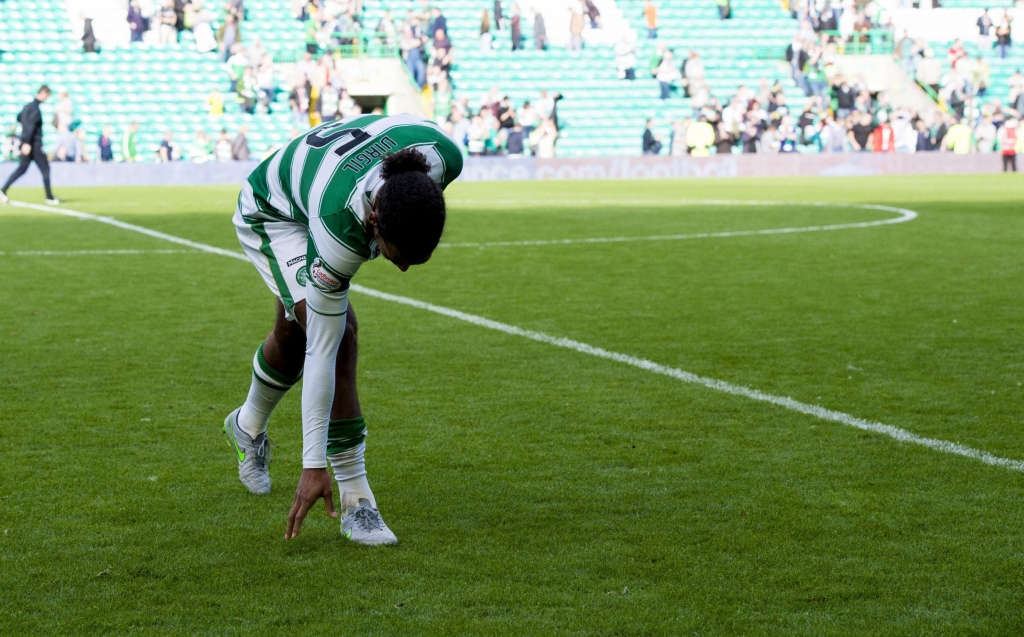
x=534, y=490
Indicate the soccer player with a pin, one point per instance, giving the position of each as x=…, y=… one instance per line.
x=308, y=217
x=31, y=120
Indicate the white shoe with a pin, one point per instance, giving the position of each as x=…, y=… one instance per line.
x=362, y=524
x=253, y=455
x=4, y=198
x=53, y=202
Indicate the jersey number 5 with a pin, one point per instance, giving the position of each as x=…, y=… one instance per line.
x=325, y=136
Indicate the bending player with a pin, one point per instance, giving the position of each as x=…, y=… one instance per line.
x=308, y=217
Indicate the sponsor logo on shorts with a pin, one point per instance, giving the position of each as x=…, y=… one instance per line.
x=322, y=278
x=299, y=259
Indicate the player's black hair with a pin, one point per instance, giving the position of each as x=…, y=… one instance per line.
x=44, y=88
x=410, y=206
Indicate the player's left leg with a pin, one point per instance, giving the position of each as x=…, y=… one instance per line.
x=39, y=157
x=346, y=446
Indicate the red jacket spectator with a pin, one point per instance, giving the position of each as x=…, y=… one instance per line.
x=1008, y=139
x=883, y=140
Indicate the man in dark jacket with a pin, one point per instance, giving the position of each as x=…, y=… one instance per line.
x=88, y=37
x=136, y=22
x=652, y=145
x=32, y=146
x=517, y=29
x=437, y=21
x=845, y=97
x=540, y=32
x=498, y=17
x=593, y=13
x=827, y=21
x=240, y=147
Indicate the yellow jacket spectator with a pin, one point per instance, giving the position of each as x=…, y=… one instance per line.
x=700, y=136
x=215, y=103
x=959, y=139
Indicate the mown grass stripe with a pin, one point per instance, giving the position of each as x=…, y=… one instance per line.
x=816, y=411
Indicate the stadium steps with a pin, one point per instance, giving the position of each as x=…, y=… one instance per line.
x=168, y=84
x=1001, y=69
x=601, y=114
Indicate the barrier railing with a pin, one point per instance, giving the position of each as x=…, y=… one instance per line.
x=935, y=97
x=352, y=45
x=872, y=42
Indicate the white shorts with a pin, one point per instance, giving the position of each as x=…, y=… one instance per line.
x=277, y=248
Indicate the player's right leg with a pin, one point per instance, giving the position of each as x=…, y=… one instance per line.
x=276, y=367
x=278, y=250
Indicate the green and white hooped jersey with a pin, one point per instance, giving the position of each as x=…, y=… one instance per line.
x=328, y=178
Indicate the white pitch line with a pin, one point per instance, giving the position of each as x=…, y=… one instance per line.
x=904, y=216
x=63, y=253
x=202, y=247
x=785, y=402
x=718, y=385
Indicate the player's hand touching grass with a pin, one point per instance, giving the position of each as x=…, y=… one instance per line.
x=313, y=485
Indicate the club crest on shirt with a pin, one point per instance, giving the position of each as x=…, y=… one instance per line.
x=322, y=278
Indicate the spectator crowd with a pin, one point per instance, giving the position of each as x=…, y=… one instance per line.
x=494, y=126
x=834, y=113
x=496, y=25
x=845, y=118
x=166, y=20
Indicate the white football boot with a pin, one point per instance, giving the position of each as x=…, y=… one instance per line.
x=253, y=455
x=362, y=524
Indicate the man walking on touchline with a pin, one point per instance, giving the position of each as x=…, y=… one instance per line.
x=32, y=146
x=308, y=217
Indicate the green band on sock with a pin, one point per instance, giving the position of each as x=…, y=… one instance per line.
x=272, y=374
x=346, y=433
x=268, y=383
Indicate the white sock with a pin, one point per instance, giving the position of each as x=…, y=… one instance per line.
x=267, y=389
x=350, y=472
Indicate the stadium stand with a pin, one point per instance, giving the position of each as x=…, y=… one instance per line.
x=601, y=114
x=170, y=82
x=1001, y=69
x=163, y=87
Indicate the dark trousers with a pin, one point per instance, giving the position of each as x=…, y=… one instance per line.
x=39, y=157
x=1009, y=163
